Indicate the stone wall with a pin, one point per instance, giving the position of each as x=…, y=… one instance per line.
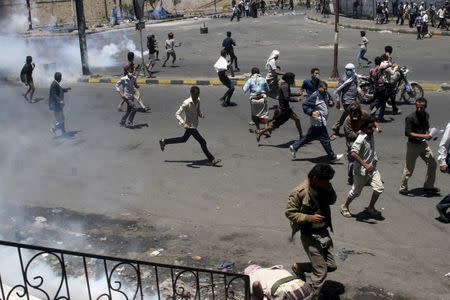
x=52, y=12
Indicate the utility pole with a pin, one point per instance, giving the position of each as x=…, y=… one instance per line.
x=215, y=6
x=30, y=24
x=81, y=22
x=140, y=25
x=106, y=10
x=335, y=73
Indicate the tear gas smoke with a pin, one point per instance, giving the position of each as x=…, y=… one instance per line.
x=56, y=53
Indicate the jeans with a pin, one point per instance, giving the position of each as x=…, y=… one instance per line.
x=229, y=84
x=317, y=133
x=131, y=111
x=444, y=205
x=194, y=132
x=362, y=55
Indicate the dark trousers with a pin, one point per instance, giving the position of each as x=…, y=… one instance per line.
x=131, y=111
x=390, y=94
x=400, y=18
x=342, y=119
x=317, y=133
x=194, y=132
x=229, y=84
x=442, y=23
x=237, y=15
x=233, y=58
x=419, y=32
x=379, y=103
x=444, y=205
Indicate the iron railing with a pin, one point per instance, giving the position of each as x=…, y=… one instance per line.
x=34, y=272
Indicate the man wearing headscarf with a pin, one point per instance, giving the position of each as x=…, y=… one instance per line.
x=273, y=70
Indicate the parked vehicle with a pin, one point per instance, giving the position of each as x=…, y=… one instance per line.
x=409, y=90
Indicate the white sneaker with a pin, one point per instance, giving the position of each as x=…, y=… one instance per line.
x=338, y=157
x=293, y=152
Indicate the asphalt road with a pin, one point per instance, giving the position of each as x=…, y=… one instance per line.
x=111, y=190
x=303, y=44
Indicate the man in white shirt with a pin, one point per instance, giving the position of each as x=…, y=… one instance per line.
x=442, y=21
x=126, y=87
x=365, y=169
x=444, y=161
x=191, y=109
x=221, y=67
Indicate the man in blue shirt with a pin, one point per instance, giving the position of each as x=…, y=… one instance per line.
x=316, y=106
x=310, y=85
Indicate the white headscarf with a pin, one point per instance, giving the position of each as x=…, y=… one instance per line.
x=272, y=56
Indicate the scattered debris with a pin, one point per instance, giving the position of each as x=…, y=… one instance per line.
x=57, y=210
x=343, y=253
x=103, y=238
x=39, y=220
x=196, y=257
x=385, y=31
x=156, y=252
x=225, y=265
x=447, y=275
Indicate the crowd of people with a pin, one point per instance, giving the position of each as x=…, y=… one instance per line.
x=417, y=15
x=308, y=206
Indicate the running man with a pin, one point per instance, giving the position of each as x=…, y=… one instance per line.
x=170, y=49
x=221, y=66
x=191, y=110
x=228, y=44
x=126, y=87
x=363, y=49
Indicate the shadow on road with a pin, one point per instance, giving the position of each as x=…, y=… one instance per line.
x=332, y=290
x=281, y=146
x=319, y=159
x=419, y=192
x=67, y=135
x=366, y=217
x=138, y=126
x=193, y=163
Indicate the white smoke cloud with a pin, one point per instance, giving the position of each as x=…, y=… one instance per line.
x=57, y=53
x=46, y=267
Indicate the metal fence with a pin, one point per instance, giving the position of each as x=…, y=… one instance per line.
x=33, y=272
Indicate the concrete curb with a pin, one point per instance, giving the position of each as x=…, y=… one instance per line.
x=239, y=81
x=374, y=28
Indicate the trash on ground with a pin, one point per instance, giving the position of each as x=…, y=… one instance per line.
x=225, y=265
x=40, y=219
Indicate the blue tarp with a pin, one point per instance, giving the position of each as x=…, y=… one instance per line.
x=160, y=13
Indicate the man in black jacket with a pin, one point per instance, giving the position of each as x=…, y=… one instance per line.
x=56, y=103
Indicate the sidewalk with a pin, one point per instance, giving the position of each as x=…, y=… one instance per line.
x=365, y=24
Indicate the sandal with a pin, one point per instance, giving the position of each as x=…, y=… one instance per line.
x=345, y=212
